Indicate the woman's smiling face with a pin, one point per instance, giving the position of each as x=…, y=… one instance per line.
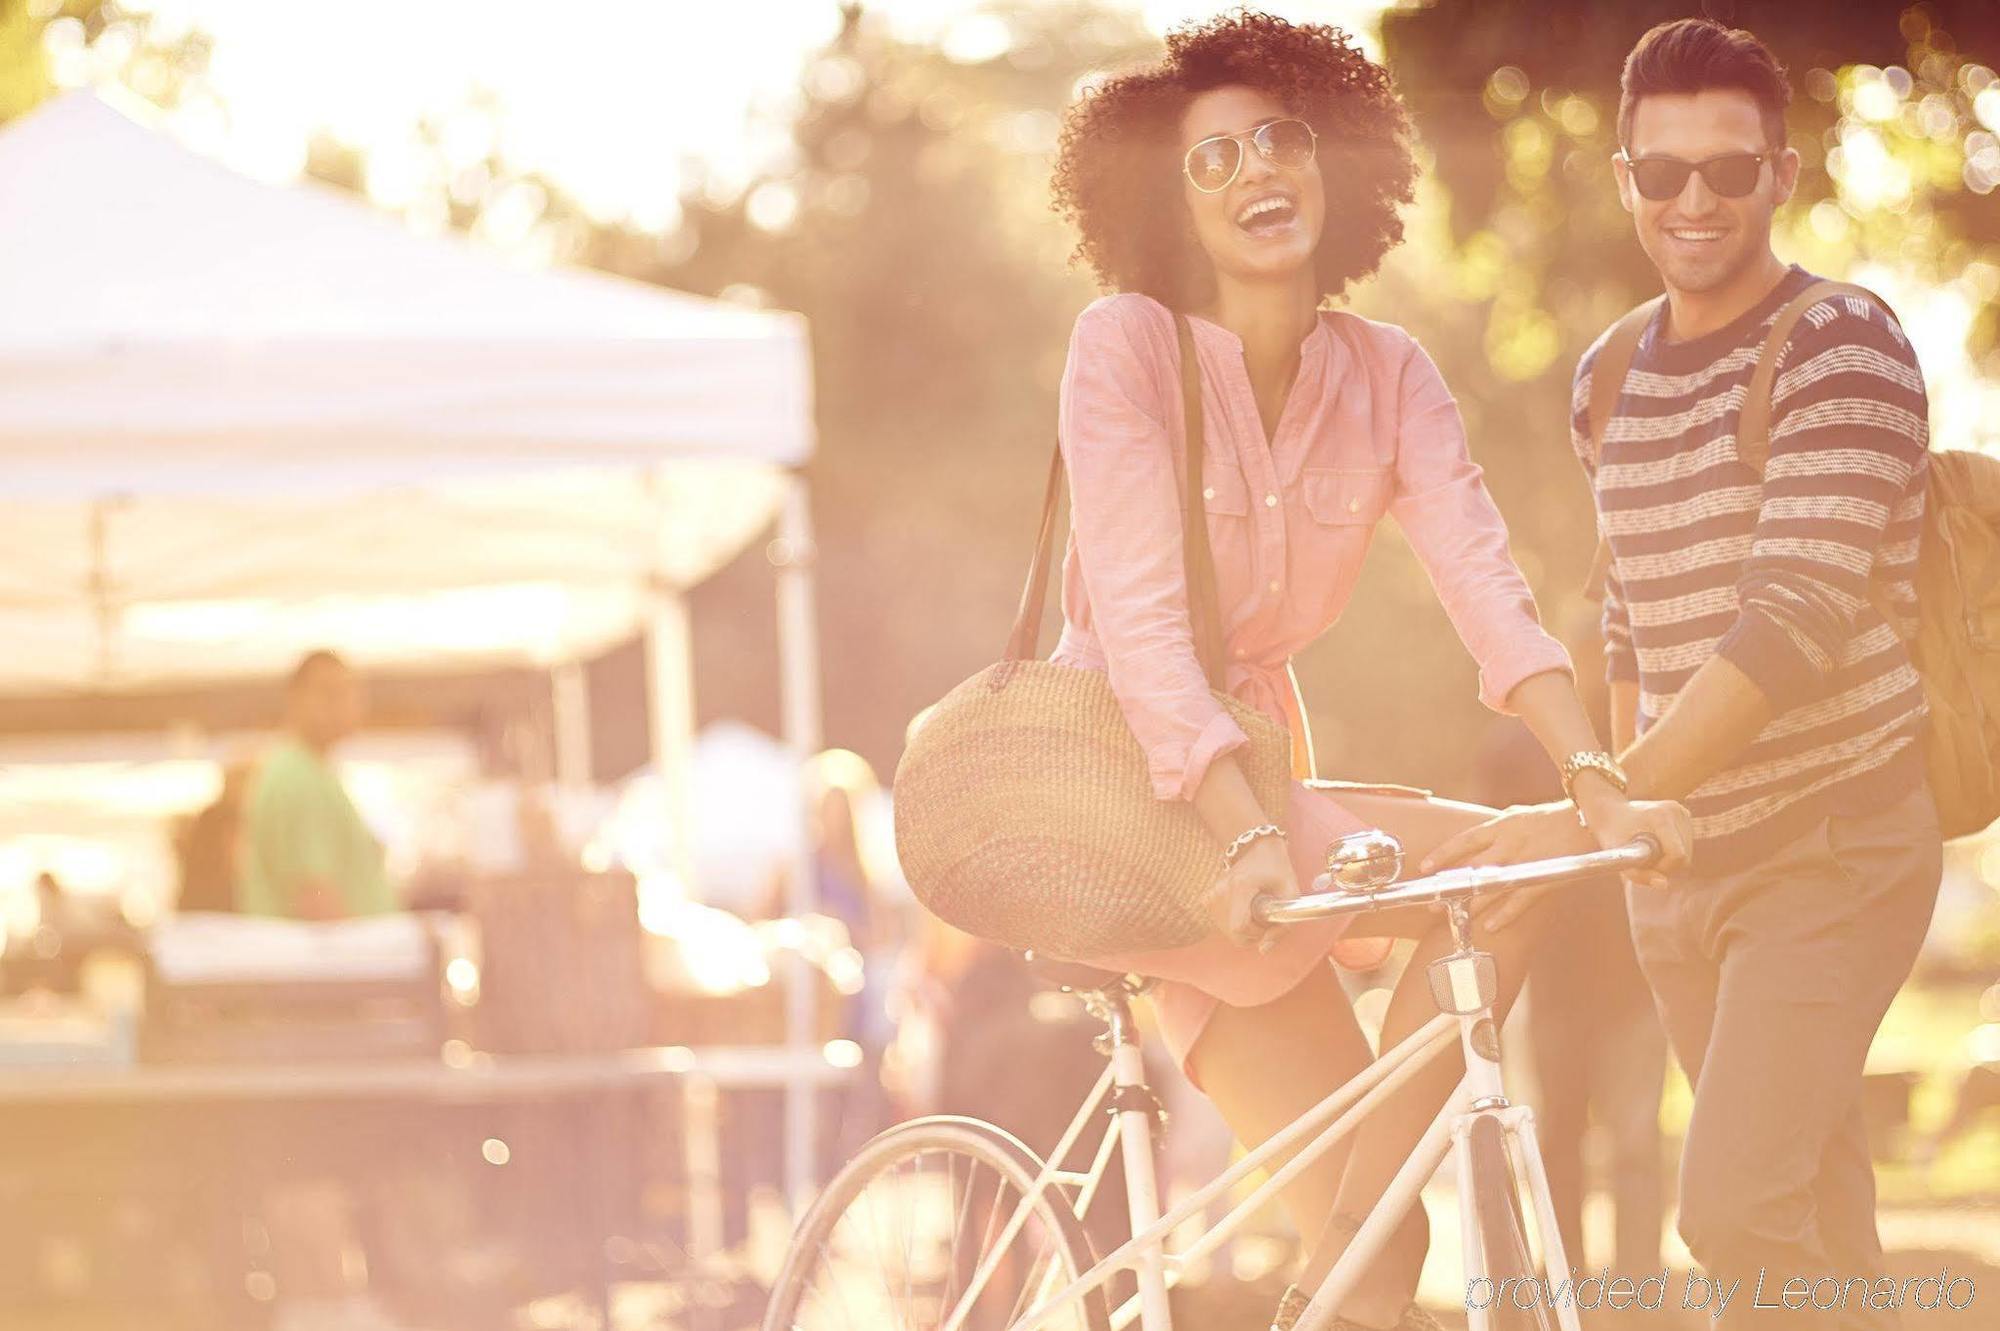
x=1266, y=222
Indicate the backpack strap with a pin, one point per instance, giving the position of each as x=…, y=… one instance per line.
x=1607, y=382
x=1753, y=424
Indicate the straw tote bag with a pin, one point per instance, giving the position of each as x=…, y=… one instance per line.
x=1025, y=812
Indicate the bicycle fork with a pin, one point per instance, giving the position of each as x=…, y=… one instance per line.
x=1465, y=984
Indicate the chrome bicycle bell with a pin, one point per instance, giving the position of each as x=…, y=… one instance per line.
x=1363, y=862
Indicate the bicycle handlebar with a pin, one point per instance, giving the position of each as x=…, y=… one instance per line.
x=1454, y=884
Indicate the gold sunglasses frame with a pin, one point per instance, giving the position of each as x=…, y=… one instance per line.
x=1242, y=151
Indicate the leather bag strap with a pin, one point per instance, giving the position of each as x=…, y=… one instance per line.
x=1753, y=424
x=1607, y=381
x=1021, y=643
x=1608, y=371
x=1198, y=561
x=1204, y=616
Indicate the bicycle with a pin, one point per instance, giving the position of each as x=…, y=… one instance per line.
x=1059, y=1282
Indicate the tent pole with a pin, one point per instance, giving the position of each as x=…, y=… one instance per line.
x=670, y=708
x=569, y=694
x=794, y=555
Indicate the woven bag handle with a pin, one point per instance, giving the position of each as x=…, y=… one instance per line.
x=1198, y=561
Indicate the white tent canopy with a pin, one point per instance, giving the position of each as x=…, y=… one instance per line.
x=239, y=420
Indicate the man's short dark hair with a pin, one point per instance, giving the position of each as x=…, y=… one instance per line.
x=311, y=664
x=1696, y=54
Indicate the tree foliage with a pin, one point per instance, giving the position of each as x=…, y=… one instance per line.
x=909, y=222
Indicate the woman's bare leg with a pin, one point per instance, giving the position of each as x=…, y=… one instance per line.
x=1265, y=1066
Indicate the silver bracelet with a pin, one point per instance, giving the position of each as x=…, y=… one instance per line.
x=1242, y=843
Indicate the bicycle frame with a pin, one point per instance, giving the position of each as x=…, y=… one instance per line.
x=1463, y=985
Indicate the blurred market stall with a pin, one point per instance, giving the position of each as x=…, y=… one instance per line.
x=240, y=421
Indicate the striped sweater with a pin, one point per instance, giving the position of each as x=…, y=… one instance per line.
x=1775, y=577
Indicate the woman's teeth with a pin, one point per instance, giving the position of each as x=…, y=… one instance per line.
x=1265, y=212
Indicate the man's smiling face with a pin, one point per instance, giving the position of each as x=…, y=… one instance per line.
x=1700, y=240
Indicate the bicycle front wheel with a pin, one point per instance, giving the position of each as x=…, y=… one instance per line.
x=917, y=1224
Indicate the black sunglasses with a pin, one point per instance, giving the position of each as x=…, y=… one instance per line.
x=1731, y=175
x=1211, y=164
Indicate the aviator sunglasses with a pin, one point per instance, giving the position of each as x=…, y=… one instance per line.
x=1731, y=175
x=1211, y=164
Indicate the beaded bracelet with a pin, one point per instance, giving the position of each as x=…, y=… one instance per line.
x=1242, y=843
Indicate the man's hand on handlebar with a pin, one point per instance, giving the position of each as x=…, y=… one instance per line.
x=1620, y=822
x=1264, y=869
x=1546, y=831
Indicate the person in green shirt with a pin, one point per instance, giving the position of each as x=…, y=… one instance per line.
x=309, y=854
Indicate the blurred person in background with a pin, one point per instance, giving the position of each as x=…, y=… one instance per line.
x=309, y=855
x=1600, y=1053
x=1254, y=174
x=842, y=787
x=209, y=847
x=45, y=957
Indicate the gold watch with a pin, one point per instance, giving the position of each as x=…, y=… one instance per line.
x=1592, y=761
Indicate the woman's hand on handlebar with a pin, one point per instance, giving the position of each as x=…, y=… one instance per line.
x=1264, y=869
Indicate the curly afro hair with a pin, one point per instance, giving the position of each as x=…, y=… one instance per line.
x=1117, y=175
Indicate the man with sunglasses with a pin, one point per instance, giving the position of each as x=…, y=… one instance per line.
x=1755, y=679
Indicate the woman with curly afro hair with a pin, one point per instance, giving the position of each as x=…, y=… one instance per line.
x=1241, y=183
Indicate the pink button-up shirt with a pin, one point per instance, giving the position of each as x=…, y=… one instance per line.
x=1369, y=429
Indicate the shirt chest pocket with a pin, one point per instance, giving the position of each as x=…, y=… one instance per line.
x=1348, y=496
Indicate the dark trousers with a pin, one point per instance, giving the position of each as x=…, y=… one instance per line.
x=1771, y=983
x=1600, y=1057
x=1608, y=1065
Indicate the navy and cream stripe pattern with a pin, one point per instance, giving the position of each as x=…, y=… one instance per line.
x=1774, y=576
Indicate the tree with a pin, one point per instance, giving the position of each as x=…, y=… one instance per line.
x=46, y=44
x=913, y=232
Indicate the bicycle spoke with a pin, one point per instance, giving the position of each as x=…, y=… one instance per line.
x=958, y=1213
x=839, y=1257
x=839, y=1289
x=985, y=1271
x=1032, y=1287
x=875, y=1248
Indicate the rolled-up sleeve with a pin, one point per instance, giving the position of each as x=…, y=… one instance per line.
x=1443, y=506
x=1126, y=517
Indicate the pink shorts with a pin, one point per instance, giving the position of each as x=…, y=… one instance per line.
x=1195, y=979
